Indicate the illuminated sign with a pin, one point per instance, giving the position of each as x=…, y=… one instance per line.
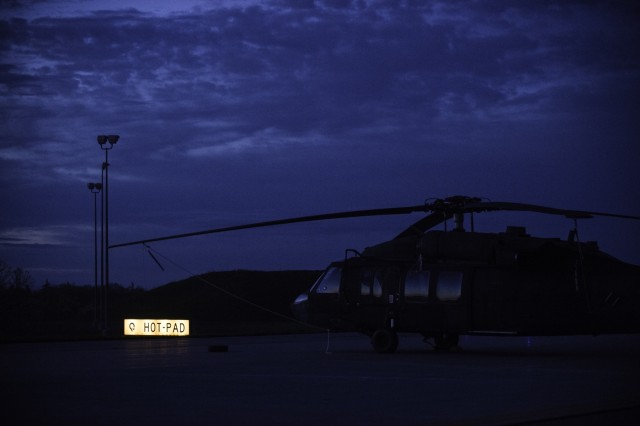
x=156, y=327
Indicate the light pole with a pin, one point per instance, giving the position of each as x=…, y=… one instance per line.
x=95, y=188
x=106, y=143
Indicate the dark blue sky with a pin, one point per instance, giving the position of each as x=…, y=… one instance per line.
x=233, y=112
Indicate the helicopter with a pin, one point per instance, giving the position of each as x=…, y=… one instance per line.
x=446, y=283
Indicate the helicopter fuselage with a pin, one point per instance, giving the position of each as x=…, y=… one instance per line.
x=446, y=284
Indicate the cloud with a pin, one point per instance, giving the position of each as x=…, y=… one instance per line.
x=278, y=108
x=49, y=236
x=296, y=76
x=267, y=141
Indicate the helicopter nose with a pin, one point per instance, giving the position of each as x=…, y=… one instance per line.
x=300, y=307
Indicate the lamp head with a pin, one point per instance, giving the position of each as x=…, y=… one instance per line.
x=94, y=187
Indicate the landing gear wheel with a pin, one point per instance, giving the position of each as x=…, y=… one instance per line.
x=445, y=342
x=384, y=341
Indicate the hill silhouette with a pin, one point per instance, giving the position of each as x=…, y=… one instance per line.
x=239, y=302
x=231, y=302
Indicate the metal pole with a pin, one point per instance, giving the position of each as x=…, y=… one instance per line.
x=95, y=258
x=102, y=316
x=95, y=188
x=106, y=234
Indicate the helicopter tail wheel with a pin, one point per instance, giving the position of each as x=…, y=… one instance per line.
x=445, y=341
x=385, y=341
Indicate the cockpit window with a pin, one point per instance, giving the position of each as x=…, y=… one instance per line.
x=329, y=282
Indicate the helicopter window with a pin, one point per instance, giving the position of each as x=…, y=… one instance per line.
x=371, y=284
x=330, y=282
x=416, y=285
x=449, y=286
x=365, y=288
x=377, y=286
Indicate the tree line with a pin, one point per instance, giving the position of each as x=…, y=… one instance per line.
x=29, y=312
x=14, y=278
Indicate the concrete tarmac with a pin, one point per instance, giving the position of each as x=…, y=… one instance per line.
x=322, y=379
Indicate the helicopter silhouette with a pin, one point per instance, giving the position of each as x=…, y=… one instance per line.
x=446, y=283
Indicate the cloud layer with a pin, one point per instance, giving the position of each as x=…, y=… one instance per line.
x=275, y=109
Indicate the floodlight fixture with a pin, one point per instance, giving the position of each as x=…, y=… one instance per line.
x=94, y=187
x=103, y=140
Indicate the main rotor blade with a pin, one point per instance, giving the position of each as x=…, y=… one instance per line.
x=312, y=218
x=507, y=206
x=442, y=210
x=445, y=209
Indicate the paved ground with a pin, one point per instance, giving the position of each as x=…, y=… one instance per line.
x=320, y=379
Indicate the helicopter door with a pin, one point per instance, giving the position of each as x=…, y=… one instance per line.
x=324, y=296
x=369, y=294
x=451, y=301
x=435, y=301
x=414, y=310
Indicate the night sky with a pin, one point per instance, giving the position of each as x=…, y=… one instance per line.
x=239, y=111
